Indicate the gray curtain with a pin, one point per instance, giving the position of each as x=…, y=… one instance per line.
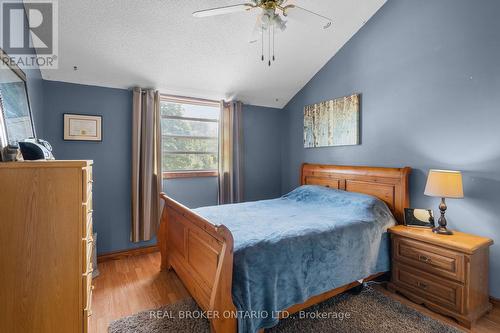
x=230, y=153
x=146, y=164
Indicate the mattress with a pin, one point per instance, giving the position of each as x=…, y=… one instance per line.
x=307, y=242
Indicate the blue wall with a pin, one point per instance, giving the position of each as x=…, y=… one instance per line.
x=112, y=156
x=429, y=75
x=262, y=158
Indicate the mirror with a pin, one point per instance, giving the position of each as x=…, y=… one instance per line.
x=15, y=109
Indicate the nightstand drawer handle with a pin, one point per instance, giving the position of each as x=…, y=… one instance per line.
x=424, y=259
x=422, y=285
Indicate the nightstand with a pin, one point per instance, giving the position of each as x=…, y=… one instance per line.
x=446, y=273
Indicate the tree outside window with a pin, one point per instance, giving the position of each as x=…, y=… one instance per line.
x=190, y=136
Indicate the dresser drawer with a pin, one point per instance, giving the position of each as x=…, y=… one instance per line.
x=439, y=291
x=429, y=258
x=88, y=226
x=87, y=217
x=87, y=183
x=87, y=204
x=86, y=320
x=90, y=177
x=88, y=312
x=87, y=246
x=87, y=290
x=89, y=201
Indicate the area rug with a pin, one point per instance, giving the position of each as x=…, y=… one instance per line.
x=369, y=311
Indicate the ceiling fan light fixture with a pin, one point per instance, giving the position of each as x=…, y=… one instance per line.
x=272, y=19
x=279, y=22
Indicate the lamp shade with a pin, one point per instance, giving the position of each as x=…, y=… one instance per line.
x=444, y=184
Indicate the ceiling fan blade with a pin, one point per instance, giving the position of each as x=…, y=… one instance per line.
x=295, y=12
x=223, y=10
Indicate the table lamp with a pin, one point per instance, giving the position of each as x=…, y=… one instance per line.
x=444, y=184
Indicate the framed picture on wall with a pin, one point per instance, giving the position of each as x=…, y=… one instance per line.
x=79, y=127
x=332, y=123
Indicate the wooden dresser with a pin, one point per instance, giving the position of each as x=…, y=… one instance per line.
x=45, y=246
x=448, y=274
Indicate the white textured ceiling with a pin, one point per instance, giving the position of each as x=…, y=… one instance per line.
x=157, y=43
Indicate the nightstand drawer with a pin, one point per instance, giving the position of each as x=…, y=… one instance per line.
x=439, y=291
x=433, y=259
x=447, y=273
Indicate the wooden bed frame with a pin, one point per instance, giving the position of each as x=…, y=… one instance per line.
x=202, y=254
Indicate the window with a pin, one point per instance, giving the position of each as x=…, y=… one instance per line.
x=190, y=137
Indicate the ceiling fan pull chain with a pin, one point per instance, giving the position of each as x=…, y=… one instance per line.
x=269, y=45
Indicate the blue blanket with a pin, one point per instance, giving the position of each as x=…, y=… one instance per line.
x=305, y=243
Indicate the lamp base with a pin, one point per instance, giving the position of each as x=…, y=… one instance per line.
x=442, y=230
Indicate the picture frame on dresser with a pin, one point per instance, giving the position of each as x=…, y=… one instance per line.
x=419, y=218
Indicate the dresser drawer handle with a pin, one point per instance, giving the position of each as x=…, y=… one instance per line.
x=424, y=259
x=422, y=285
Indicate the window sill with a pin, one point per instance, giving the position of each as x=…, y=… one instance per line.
x=189, y=174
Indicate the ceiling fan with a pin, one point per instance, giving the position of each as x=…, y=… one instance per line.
x=272, y=18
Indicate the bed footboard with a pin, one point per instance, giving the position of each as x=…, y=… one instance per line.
x=202, y=256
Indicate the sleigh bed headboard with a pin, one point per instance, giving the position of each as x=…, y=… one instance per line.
x=388, y=184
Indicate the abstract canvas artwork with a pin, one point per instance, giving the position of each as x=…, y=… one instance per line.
x=332, y=123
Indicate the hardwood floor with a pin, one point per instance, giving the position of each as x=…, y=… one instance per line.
x=130, y=285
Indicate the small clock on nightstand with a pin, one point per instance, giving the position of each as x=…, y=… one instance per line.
x=447, y=273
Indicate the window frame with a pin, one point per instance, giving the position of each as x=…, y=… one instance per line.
x=193, y=101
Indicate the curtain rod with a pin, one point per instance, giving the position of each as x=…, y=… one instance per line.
x=196, y=100
x=186, y=99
